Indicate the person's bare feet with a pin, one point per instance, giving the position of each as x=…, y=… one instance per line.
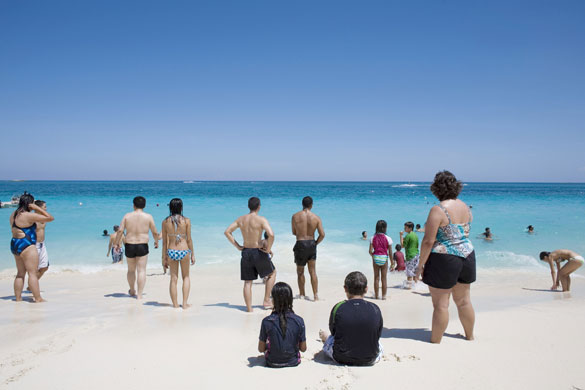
x=132, y=293
x=316, y=298
x=384, y=298
x=186, y=306
x=176, y=305
x=323, y=335
x=267, y=305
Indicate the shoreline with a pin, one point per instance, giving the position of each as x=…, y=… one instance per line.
x=90, y=318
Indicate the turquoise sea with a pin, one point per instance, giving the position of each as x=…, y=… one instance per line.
x=83, y=209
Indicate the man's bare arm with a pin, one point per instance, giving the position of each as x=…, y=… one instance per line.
x=294, y=229
x=155, y=234
x=229, y=234
x=321, y=232
x=270, y=233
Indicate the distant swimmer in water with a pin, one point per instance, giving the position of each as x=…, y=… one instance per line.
x=487, y=234
x=116, y=251
x=530, y=229
x=419, y=229
x=561, y=275
x=364, y=235
x=105, y=233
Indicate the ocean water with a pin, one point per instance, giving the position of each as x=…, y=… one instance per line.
x=84, y=209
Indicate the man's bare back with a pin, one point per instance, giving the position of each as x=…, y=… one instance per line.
x=305, y=223
x=252, y=225
x=137, y=224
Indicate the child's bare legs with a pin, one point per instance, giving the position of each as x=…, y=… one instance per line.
x=185, y=269
x=384, y=273
x=376, y=279
x=174, y=270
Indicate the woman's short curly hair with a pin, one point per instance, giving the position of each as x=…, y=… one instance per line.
x=446, y=186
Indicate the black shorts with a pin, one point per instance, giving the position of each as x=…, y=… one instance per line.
x=445, y=271
x=136, y=250
x=255, y=262
x=305, y=250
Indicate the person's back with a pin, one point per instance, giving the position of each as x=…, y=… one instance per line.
x=306, y=223
x=137, y=225
x=356, y=326
x=399, y=259
x=283, y=348
x=251, y=226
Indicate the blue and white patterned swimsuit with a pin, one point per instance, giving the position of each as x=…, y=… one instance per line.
x=453, y=239
x=177, y=255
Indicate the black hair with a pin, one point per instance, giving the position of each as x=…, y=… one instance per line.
x=364, y=232
x=398, y=247
x=543, y=255
x=176, y=206
x=105, y=232
x=530, y=227
x=409, y=225
x=282, y=297
x=487, y=228
x=139, y=202
x=418, y=225
x=307, y=202
x=40, y=203
x=381, y=226
x=446, y=186
x=253, y=203
x=356, y=283
x=116, y=228
x=24, y=201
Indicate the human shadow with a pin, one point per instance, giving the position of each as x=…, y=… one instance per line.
x=321, y=358
x=237, y=307
x=157, y=304
x=256, y=361
x=422, y=294
x=156, y=274
x=13, y=298
x=418, y=334
x=541, y=290
x=119, y=295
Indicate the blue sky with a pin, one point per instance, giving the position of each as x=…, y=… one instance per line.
x=303, y=90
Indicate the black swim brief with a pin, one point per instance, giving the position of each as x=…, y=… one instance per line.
x=136, y=250
x=305, y=250
x=445, y=271
x=255, y=262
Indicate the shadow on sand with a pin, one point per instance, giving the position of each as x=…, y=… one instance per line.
x=541, y=290
x=418, y=334
x=256, y=361
x=237, y=307
x=157, y=304
x=119, y=295
x=321, y=358
x=13, y=298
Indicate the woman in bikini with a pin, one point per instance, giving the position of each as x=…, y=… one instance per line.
x=447, y=257
x=177, y=249
x=23, y=243
x=561, y=275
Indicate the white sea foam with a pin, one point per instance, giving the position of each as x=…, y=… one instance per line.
x=406, y=185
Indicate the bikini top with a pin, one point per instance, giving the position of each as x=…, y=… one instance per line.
x=175, y=221
x=453, y=239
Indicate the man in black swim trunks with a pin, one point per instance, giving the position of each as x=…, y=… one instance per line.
x=136, y=224
x=255, y=260
x=304, y=224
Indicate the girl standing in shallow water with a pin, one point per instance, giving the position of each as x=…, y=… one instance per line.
x=177, y=250
x=381, y=252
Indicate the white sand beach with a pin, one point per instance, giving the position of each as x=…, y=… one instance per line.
x=91, y=335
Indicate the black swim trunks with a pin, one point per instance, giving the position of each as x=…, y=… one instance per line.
x=136, y=250
x=255, y=262
x=305, y=250
x=445, y=271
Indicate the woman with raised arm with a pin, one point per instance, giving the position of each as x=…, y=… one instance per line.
x=177, y=249
x=23, y=243
x=447, y=257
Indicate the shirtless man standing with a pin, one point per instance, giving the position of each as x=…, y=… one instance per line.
x=136, y=224
x=255, y=260
x=304, y=224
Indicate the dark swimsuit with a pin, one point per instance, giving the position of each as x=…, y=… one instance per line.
x=17, y=245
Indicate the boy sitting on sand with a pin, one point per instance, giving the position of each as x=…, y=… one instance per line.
x=282, y=334
x=355, y=325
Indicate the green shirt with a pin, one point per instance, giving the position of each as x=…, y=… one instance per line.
x=410, y=245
